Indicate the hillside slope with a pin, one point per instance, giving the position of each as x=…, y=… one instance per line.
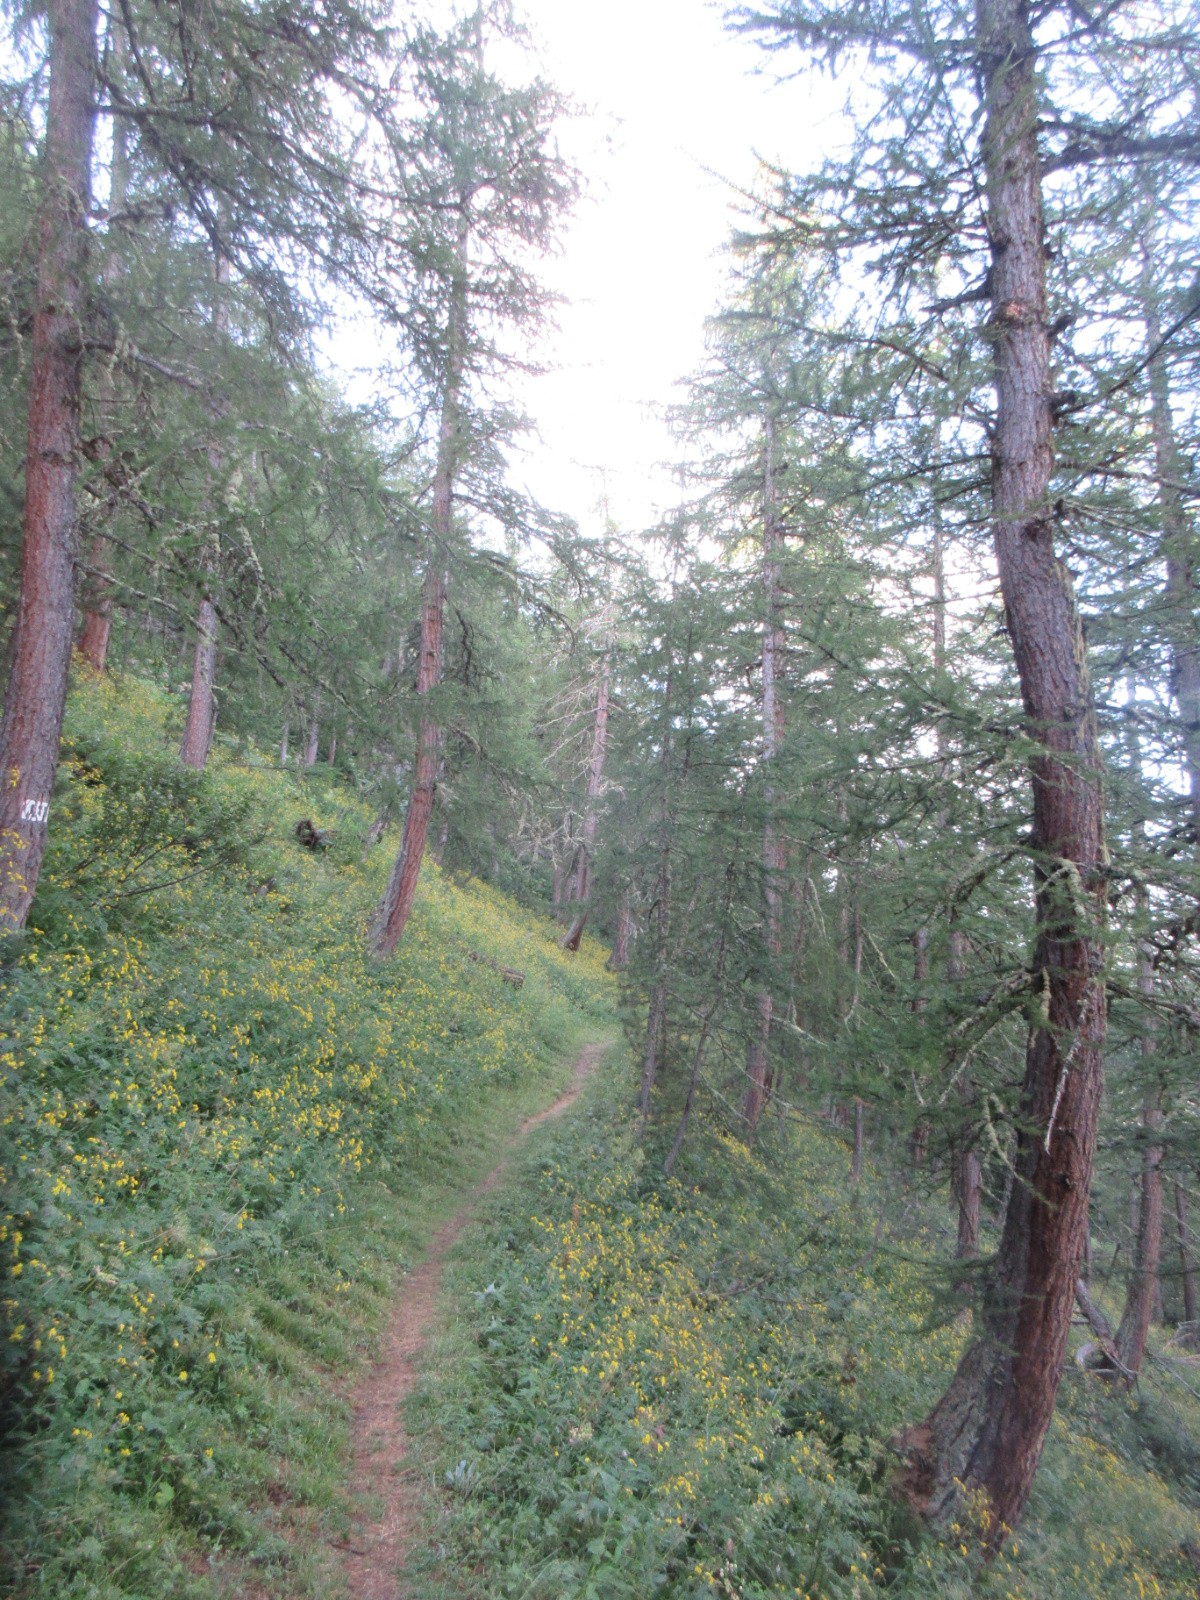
x=225, y=1130
x=688, y=1388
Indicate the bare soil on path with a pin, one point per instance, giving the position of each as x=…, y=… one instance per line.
x=374, y=1559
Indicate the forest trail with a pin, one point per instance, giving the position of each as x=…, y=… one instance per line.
x=375, y=1558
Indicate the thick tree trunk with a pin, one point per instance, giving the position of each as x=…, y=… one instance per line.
x=1187, y=1266
x=37, y=684
x=774, y=643
x=986, y=1433
x=397, y=901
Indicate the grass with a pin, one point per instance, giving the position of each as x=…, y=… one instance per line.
x=687, y=1389
x=225, y=1134
x=225, y=1131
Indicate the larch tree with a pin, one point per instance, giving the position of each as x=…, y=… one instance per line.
x=227, y=129
x=37, y=685
x=981, y=217
x=481, y=156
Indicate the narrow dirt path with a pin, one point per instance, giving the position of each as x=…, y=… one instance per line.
x=375, y=1557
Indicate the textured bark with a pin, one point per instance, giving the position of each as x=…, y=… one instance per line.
x=402, y=887
x=620, y=952
x=1187, y=1265
x=37, y=684
x=774, y=849
x=986, y=1433
x=967, y=1190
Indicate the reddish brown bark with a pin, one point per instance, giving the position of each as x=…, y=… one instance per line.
x=774, y=849
x=37, y=685
x=96, y=632
x=986, y=1433
x=402, y=887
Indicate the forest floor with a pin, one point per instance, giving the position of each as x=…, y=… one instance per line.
x=273, y=1329
x=217, y=1168
x=387, y=1498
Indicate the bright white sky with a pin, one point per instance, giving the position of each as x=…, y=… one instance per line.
x=677, y=115
x=677, y=121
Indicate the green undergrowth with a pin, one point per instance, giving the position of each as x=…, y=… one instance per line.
x=687, y=1389
x=225, y=1131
